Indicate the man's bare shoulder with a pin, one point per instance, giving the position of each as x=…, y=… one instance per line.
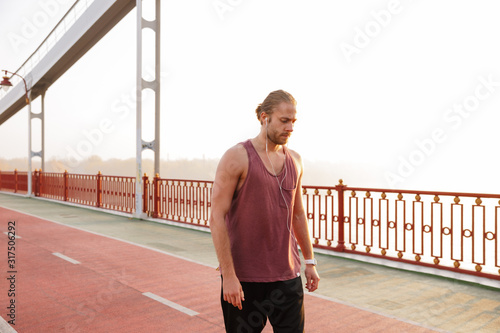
x=236, y=152
x=295, y=156
x=298, y=160
x=237, y=149
x=235, y=158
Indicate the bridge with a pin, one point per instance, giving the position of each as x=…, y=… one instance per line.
x=85, y=23
x=62, y=48
x=85, y=270
x=353, y=228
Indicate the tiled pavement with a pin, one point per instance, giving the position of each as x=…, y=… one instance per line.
x=354, y=296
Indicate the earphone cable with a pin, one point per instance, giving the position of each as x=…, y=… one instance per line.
x=280, y=185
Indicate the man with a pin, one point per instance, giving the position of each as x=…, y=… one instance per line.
x=257, y=219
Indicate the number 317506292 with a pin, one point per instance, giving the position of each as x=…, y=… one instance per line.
x=11, y=235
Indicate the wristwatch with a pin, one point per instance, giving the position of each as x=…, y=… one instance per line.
x=311, y=261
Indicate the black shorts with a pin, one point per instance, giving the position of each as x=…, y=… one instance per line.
x=282, y=302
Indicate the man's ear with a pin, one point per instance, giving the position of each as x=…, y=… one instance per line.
x=264, y=118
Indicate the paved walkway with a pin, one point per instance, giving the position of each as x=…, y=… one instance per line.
x=80, y=270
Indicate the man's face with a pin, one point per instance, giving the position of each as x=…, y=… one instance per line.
x=281, y=122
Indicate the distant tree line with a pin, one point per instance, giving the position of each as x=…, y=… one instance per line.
x=316, y=173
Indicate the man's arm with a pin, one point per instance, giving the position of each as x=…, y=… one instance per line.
x=301, y=231
x=229, y=171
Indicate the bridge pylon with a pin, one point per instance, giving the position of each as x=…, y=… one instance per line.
x=142, y=84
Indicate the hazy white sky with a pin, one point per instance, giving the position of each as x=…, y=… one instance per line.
x=408, y=90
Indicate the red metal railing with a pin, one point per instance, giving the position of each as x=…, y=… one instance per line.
x=116, y=193
x=14, y=181
x=186, y=201
x=82, y=189
x=108, y=192
x=51, y=185
x=445, y=230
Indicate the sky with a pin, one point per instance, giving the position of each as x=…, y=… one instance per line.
x=405, y=92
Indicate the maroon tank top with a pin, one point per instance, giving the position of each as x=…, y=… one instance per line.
x=263, y=244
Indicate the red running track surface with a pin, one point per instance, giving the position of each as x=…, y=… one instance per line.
x=104, y=291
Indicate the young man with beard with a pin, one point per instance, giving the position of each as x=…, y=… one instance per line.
x=257, y=221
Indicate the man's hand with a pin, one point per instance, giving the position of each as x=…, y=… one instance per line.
x=312, y=278
x=233, y=293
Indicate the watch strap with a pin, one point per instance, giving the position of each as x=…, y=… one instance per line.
x=311, y=261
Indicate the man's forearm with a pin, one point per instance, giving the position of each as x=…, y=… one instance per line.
x=302, y=235
x=222, y=246
x=301, y=230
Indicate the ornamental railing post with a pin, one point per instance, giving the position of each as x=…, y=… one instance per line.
x=37, y=182
x=65, y=189
x=34, y=182
x=340, y=191
x=40, y=183
x=145, y=194
x=156, y=196
x=99, y=189
x=15, y=181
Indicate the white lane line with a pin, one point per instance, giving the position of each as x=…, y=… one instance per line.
x=171, y=304
x=111, y=237
x=7, y=233
x=62, y=256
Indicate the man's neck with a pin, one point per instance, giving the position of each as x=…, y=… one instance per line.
x=261, y=141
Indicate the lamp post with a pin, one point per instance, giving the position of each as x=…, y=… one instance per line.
x=6, y=84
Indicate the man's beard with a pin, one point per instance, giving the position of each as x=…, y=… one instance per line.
x=281, y=139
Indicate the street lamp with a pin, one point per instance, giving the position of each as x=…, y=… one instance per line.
x=6, y=84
